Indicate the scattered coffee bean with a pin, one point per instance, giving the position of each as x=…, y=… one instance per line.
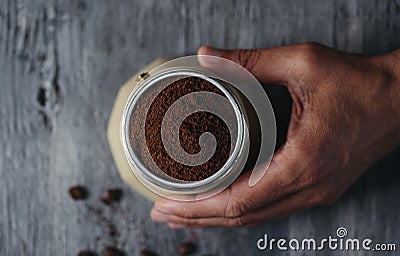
x=187, y=248
x=112, y=195
x=147, y=253
x=87, y=253
x=112, y=251
x=78, y=192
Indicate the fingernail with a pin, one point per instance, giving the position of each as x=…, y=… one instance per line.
x=162, y=209
x=176, y=226
x=208, y=50
x=159, y=217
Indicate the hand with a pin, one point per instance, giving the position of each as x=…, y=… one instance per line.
x=343, y=120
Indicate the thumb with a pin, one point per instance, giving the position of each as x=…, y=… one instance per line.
x=267, y=65
x=238, y=199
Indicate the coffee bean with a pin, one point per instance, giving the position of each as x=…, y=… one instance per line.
x=187, y=248
x=112, y=195
x=147, y=253
x=112, y=251
x=86, y=253
x=78, y=192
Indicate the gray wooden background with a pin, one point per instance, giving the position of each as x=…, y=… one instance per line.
x=61, y=65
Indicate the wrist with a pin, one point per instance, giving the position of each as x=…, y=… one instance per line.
x=387, y=71
x=393, y=64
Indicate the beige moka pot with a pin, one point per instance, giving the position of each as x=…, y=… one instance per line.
x=147, y=182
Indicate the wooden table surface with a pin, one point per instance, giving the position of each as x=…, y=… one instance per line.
x=61, y=65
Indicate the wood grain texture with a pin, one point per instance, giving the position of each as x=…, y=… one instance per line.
x=61, y=65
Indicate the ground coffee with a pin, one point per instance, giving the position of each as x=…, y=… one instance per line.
x=189, y=131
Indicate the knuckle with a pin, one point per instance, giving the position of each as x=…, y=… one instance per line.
x=247, y=58
x=314, y=177
x=186, y=212
x=153, y=214
x=310, y=46
x=321, y=198
x=310, y=176
x=189, y=222
x=236, y=222
x=307, y=55
x=236, y=207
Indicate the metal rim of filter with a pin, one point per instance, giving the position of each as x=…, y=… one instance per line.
x=145, y=81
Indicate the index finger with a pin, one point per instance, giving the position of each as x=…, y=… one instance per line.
x=269, y=65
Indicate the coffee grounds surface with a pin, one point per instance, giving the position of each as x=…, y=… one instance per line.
x=150, y=148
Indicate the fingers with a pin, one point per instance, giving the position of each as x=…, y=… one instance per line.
x=267, y=65
x=281, y=179
x=210, y=207
x=277, y=210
